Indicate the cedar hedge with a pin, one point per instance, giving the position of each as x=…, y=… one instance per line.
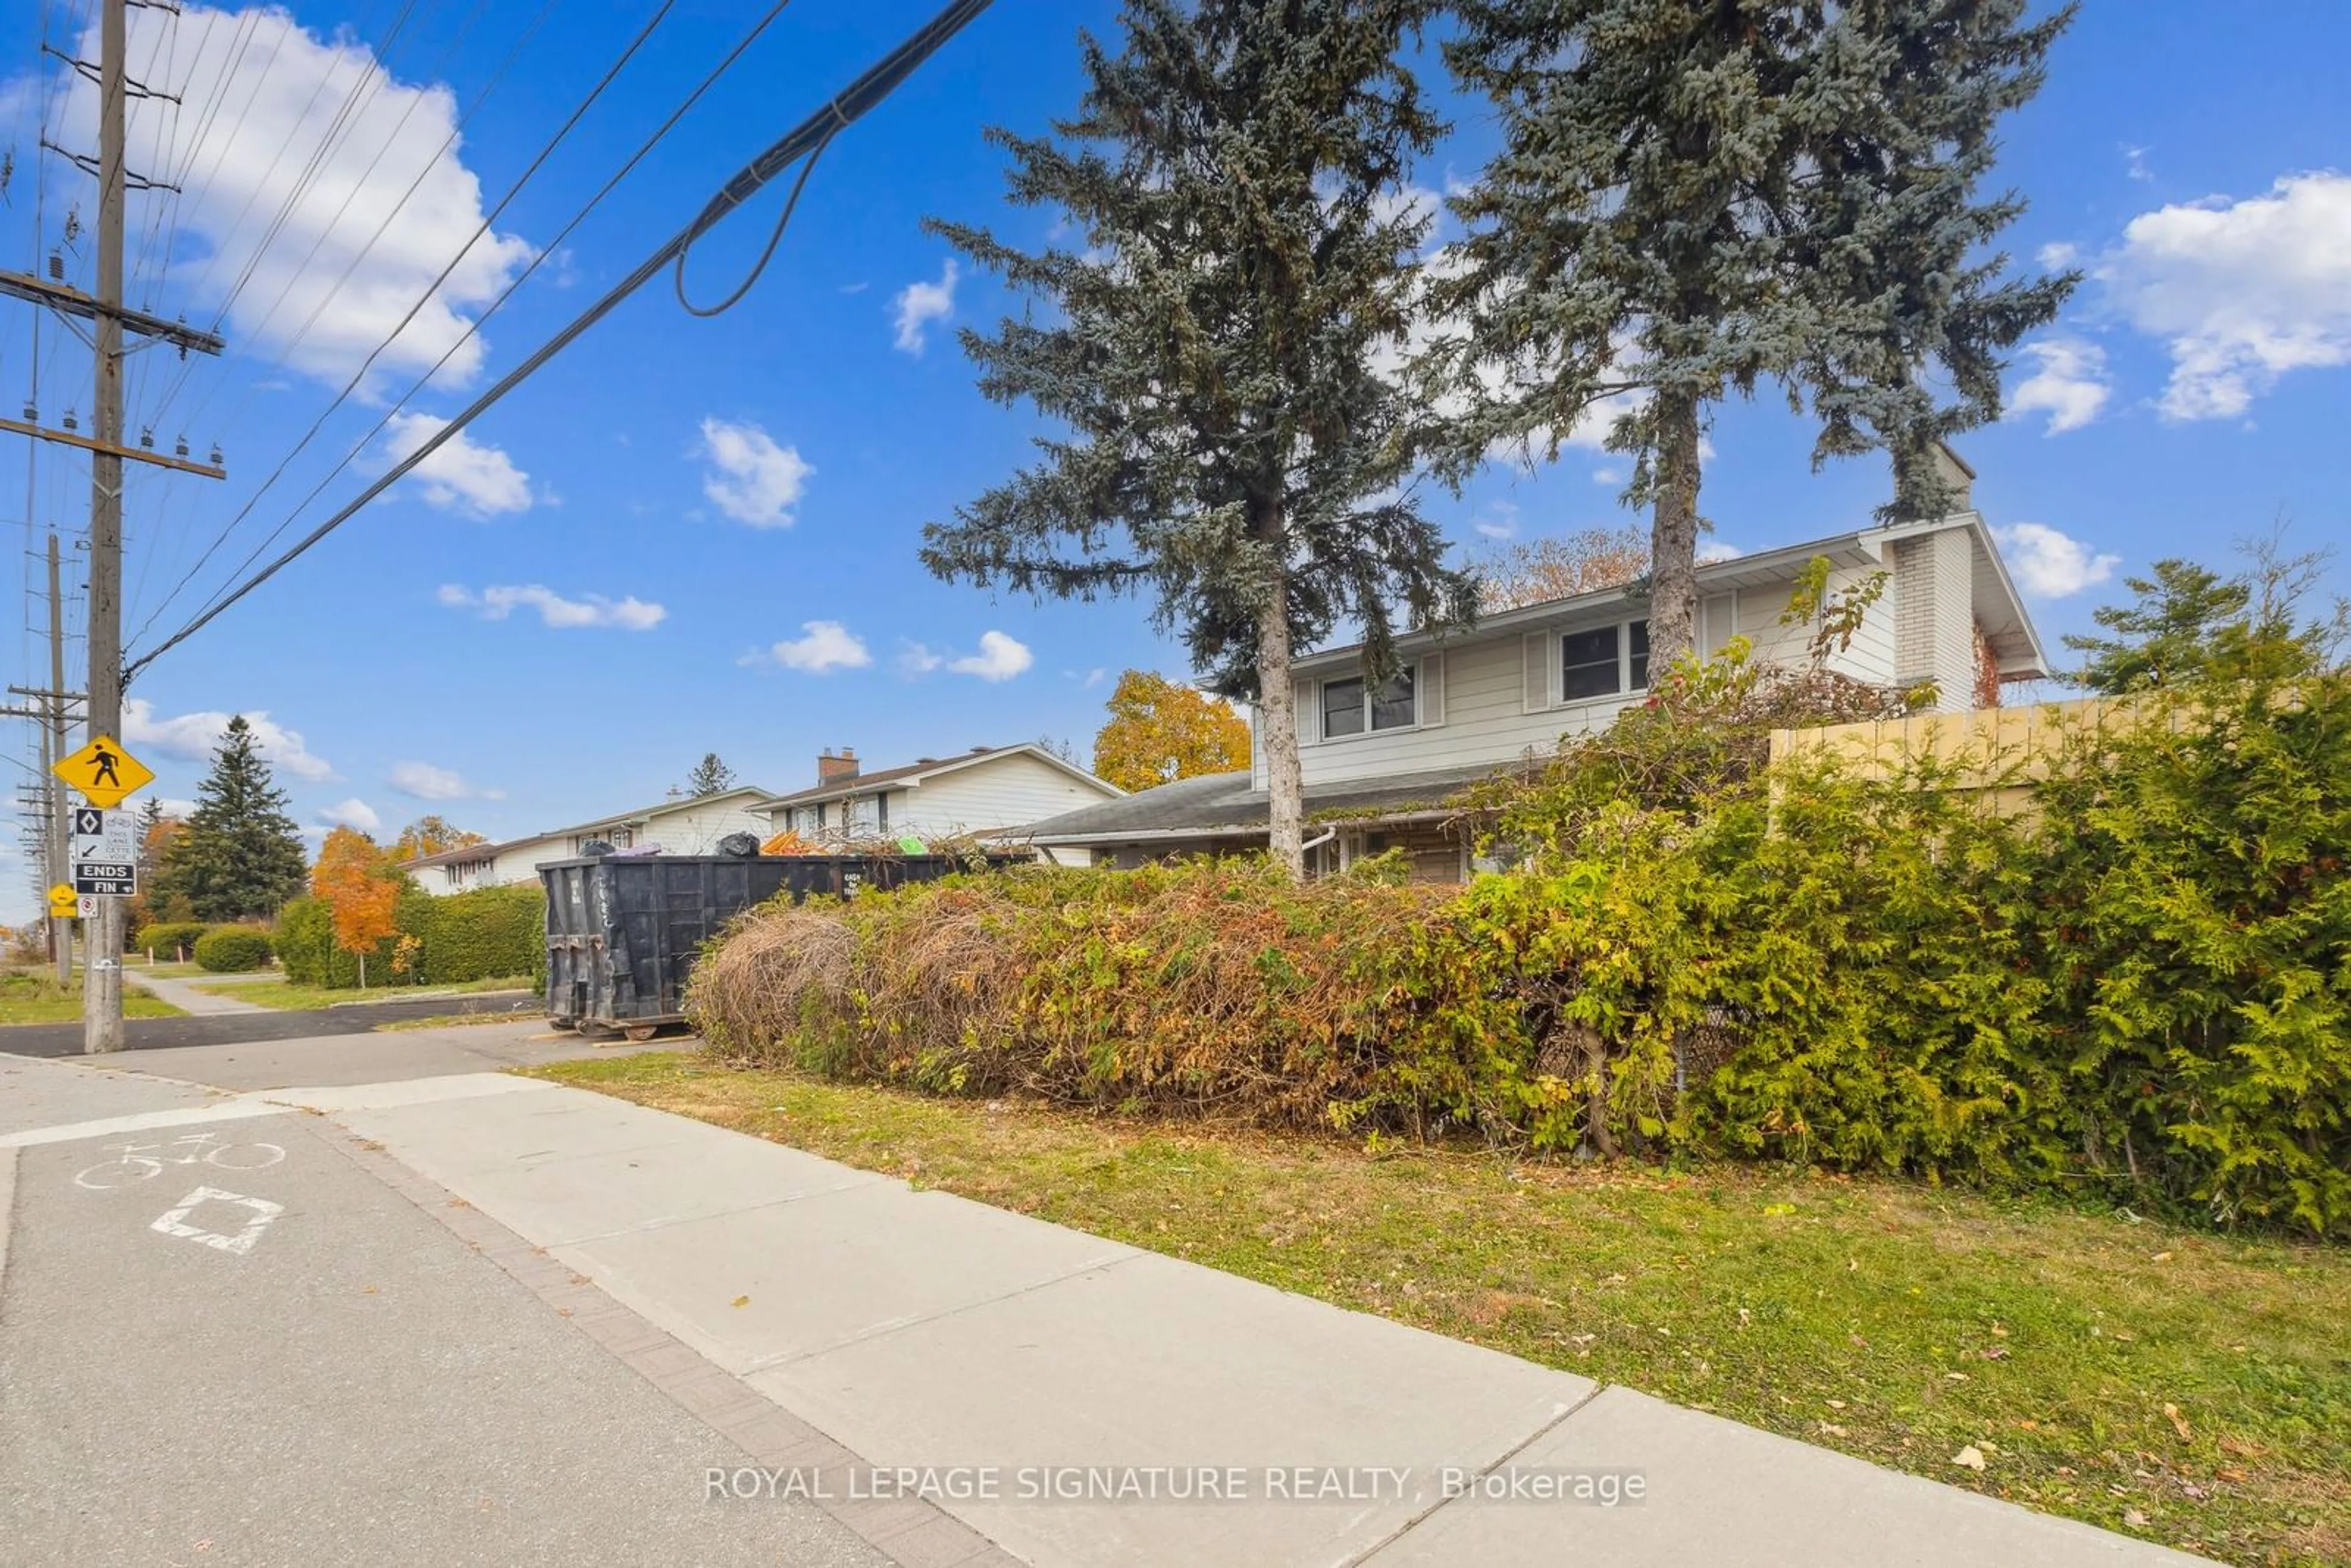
x=233, y=950
x=476, y=935
x=2138, y=989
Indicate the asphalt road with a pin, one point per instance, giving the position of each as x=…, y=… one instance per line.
x=230, y=1343
x=55, y=1039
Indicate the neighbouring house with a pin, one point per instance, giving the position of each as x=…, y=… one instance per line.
x=1379, y=765
x=990, y=793
x=682, y=825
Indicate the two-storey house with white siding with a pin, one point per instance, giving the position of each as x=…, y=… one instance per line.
x=1379, y=763
x=679, y=825
x=990, y=793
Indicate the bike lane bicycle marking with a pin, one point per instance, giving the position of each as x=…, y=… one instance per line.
x=136, y=1162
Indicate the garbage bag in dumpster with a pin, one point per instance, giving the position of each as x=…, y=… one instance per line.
x=740, y=846
x=623, y=931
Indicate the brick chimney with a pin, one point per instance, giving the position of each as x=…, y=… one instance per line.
x=832, y=770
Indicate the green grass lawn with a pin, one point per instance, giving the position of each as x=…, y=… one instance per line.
x=2182, y=1386
x=34, y=996
x=289, y=996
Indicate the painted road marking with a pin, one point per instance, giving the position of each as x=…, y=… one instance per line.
x=175, y=1223
x=146, y=1122
x=138, y=1162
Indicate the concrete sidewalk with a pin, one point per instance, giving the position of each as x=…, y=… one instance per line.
x=1038, y=1381
x=184, y=995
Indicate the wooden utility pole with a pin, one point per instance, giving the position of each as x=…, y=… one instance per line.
x=102, y=965
x=109, y=319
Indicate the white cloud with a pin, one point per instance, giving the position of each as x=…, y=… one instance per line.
x=191, y=737
x=1607, y=474
x=914, y=659
x=920, y=304
x=1502, y=521
x=182, y=810
x=2068, y=383
x=2242, y=291
x=753, y=480
x=352, y=813
x=496, y=604
x=2058, y=254
x=1717, y=549
x=2135, y=162
x=463, y=475
x=825, y=647
x=1094, y=677
x=423, y=782
x=316, y=121
x=1000, y=658
x=2050, y=564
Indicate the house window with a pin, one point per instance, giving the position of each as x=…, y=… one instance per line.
x=1345, y=710
x=1604, y=662
x=819, y=817
x=881, y=810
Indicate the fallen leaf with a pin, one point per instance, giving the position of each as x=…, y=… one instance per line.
x=1836, y=1404
x=1998, y=1332
x=1859, y=1343
x=1745, y=1317
x=2135, y=1519
x=2028, y=1425
x=1955, y=1377
x=2230, y=1475
x=1994, y=1353
x=740, y=1302
x=1970, y=1457
x=367, y=1290
x=2179, y=1422
x=2160, y=1258
x=1778, y=1209
x=1831, y=1429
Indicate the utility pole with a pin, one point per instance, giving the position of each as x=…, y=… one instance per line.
x=54, y=747
x=102, y=965
x=108, y=319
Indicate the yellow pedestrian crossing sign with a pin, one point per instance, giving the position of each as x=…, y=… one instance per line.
x=64, y=904
x=104, y=772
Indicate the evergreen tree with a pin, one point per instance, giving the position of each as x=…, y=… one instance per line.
x=1893, y=237
x=241, y=858
x=710, y=777
x=1696, y=196
x=1225, y=441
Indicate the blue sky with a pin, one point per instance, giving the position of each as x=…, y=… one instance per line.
x=648, y=546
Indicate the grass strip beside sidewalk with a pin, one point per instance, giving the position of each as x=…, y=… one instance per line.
x=35, y=996
x=2189, y=1388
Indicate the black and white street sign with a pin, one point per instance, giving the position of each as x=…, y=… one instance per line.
x=105, y=851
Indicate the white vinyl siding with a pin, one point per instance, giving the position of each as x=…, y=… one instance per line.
x=1006, y=791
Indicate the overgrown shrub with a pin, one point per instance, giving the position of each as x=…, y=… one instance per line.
x=169, y=939
x=2139, y=985
x=233, y=950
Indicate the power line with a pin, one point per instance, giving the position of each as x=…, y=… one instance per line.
x=456, y=260
x=851, y=103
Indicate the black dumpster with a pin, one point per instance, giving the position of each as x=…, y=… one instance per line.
x=623, y=931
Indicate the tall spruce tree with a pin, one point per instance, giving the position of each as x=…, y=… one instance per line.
x=241, y=858
x=1212, y=356
x=710, y=777
x=1696, y=196
x=1895, y=237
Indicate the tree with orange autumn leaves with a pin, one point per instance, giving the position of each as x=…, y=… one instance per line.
x=355, y=881
x=1161, y=730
